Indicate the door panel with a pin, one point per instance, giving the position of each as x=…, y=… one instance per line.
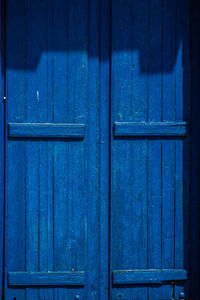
x=71, y=82
x=52, y=179
x=148, y=142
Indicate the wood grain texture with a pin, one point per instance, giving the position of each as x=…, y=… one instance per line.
x=46, y=279
x=15, y=225
x=115, y=199
x=168, y=146
x=150, y=129
x=148, y=276
x=47, y=130
x=154, y=146
x=129, y=94
x=147, y=145
x=55, y=214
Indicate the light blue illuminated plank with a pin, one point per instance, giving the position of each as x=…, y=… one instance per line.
x=148, y=276
x=150, y=129
x=46, y=278
x=51, y=130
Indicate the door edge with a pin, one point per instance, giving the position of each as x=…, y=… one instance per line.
x=2, y=140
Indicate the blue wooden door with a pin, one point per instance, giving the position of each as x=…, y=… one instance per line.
x=97, y=152
x=54, y=243
x=150, y=77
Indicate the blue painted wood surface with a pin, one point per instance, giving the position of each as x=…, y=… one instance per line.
x=150, y=129
x=46, y=279
x=53, y=208
x=97, y=117
x=147, y=188
x=148, y=276
x=34, y=130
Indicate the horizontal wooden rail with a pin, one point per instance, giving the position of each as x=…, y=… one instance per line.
x=46, y=130
x=137, y=129
x=156, y=276
x=46, y=279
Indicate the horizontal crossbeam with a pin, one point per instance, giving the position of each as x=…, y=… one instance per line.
x=46, y=278
x=46, y=130
x=148, y=129
x=156, y=276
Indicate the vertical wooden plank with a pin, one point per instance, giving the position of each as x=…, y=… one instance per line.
x=15, y=185
x=129, y=102
x=62, y=201
x=45, y=155
x=77, y=93
x=32, y=208
x=15, y=225
x=70, y=231
x=168, y=170
x=93, y=233
x=154, y=151
x=32, y=43
x=139, y=148
x=168, y=146
x=45, y=214
x=104, y=147
x=122, y=235
x=179, y=214
x=139, y=222
x=62, y=207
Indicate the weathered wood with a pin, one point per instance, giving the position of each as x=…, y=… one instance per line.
x=148, y=276
x=39, y=130
x=115, y=199
x=149, y=129
x=53, y=218
x=154, y=145
x=129, y=103
x=46, y=279
x=168, y=146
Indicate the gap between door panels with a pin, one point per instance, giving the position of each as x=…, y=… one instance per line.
x=105, y=139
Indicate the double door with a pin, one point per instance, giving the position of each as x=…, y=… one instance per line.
x=97, y=149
